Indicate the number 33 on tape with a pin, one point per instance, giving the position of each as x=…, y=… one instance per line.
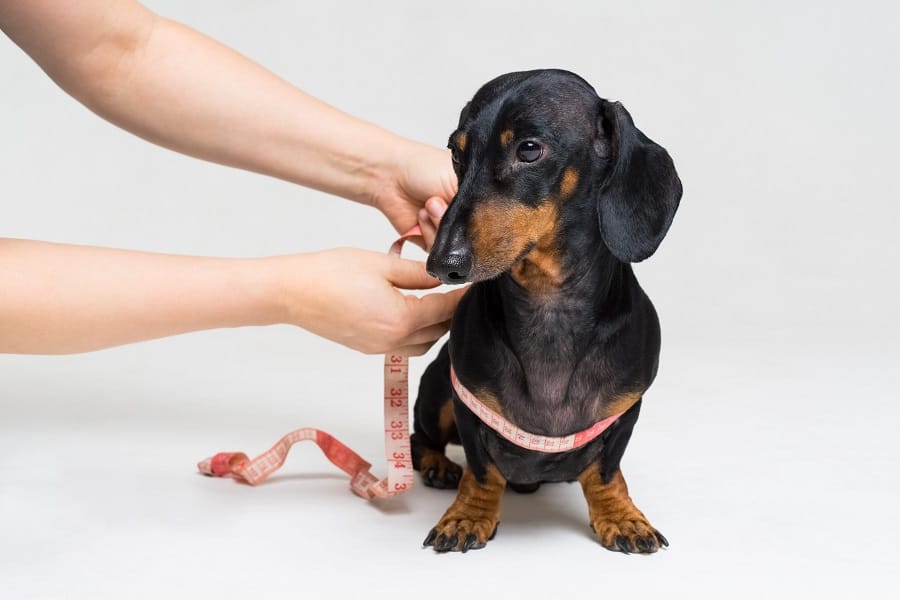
x=396, y=439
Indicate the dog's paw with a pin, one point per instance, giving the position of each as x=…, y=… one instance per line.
x=629, y=536
x=461, y=534
x=472, y=518
x=438, y=471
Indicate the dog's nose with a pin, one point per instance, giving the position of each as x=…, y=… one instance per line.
x=451, y=267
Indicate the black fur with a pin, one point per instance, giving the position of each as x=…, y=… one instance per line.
x=553, y=361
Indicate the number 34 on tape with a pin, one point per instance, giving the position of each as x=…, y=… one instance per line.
x=396, y=443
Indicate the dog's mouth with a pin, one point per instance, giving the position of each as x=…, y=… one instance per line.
x=489, y=268
x=525, y=252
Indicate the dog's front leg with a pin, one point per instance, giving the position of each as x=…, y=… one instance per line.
x=472, y=518
x=615, y=519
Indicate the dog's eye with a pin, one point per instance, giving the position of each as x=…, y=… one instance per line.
x=529, y=151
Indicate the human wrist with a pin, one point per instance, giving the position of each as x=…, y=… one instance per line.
x=259, y=283
x=383, y=168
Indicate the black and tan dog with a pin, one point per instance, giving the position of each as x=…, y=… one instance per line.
x=558, y=193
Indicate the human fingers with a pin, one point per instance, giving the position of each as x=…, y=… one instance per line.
x=414, y=350
x=429, y=231
x=435, y=207
x=433, y=308
x=409, y=274
x=429, y=333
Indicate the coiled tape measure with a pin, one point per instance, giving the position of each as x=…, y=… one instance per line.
x=363, y=483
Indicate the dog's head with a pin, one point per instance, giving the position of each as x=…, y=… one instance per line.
x=535, y=151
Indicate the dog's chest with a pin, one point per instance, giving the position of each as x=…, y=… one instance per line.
x=545, y=364
x=552, y=399
x=558, y=390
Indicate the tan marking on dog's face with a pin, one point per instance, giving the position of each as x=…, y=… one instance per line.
x=501, y=232
x=506, y=136
x=568, y=183
x=461, y=139
x=540, y=271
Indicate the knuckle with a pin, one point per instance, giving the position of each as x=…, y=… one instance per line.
x=407, y=319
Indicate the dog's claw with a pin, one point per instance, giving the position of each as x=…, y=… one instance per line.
x=663, y=542
x=446, y=544
x=471, y=543
x=459, y=539
x=629, y=536
x=429, y=539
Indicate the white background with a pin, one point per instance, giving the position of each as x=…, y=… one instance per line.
x=766, y=451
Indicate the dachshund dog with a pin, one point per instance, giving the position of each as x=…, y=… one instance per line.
x=555, y=343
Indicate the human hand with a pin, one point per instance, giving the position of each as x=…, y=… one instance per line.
x=419, y=186
x=351, y=297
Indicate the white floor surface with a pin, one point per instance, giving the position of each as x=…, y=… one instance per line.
x=767, y=482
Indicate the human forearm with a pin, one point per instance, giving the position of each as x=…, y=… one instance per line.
x=58, y=299
x=175, y=87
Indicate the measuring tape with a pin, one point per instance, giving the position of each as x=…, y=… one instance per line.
x=396, y=438
x=521, y=437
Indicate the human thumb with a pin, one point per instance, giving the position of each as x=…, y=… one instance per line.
x=410, y=274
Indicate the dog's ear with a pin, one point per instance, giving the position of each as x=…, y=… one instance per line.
x=639, y=197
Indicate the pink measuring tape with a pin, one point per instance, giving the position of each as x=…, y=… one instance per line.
x=396, y=438
x=520, y=437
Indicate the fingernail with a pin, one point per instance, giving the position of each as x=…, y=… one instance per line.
x=436, y=207
x=423, y=215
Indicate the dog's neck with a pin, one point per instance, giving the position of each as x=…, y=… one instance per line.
x=550, y=328
x=583, y=292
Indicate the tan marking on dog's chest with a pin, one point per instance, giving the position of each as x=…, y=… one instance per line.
x=620, y=404
x=489, y=400
x=447, y=422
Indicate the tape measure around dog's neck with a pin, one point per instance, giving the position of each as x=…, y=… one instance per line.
x=396, y=438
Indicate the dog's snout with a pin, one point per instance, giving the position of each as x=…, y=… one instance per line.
x=451, y=267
